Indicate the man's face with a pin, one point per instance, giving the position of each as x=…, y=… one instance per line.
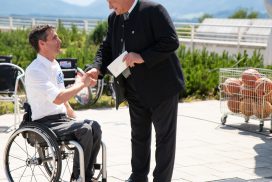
x=119, y=6
x=52, y=44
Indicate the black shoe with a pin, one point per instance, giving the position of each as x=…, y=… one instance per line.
x=129, y=180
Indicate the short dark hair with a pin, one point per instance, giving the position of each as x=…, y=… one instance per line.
x=38, y=33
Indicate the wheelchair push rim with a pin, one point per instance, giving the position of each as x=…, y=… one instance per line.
x=23, y=161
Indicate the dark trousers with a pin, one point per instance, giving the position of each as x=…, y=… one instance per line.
x=86, y=132
x=164, y=119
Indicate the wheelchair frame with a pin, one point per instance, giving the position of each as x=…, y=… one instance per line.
x=12, y=95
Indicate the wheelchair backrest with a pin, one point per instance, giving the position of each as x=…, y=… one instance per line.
x=8, y=76
x=69, y=69
x=27, y=115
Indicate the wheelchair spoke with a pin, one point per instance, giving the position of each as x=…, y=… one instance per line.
x=21, y=148
x=66, y=167
x=43, y=173
x=33, y=174
x=18, y=168
x=23, y=174
x=16, y=158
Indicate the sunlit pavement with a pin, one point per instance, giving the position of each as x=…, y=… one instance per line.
x=206, y=150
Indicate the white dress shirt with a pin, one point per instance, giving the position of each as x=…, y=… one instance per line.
x=133, y=5
x=44, y=81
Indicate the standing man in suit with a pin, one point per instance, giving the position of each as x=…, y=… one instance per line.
x=152, y=83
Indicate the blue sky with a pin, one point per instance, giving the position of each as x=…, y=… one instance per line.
x=80, y=2
x=178, y=9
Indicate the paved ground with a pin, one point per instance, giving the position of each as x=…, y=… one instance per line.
x=206, y=150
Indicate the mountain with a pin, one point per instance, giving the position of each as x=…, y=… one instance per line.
x=178, y=9
x=98, y=9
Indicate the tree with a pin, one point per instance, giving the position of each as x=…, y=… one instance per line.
x=99, y=33
x=244, y=13
x=204, y=16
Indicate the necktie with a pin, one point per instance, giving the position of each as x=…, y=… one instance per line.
x=126, y=72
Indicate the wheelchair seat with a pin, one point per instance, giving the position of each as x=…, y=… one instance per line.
x=34, y=151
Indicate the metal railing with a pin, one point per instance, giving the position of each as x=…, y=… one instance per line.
x=232, y=35
x=12, y=23
x=190, y=33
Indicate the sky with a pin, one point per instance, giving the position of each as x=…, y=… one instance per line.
x=178, y=9
x=80, y=2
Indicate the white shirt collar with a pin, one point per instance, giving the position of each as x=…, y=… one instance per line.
x=132, y=7
x=45, y=61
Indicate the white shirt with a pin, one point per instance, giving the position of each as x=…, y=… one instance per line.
x=133, y=5
x=44, y=81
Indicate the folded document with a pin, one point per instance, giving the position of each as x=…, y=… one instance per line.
x=118, y=65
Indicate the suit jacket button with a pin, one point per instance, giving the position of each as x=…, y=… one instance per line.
x=121, y=40
x=132, y=32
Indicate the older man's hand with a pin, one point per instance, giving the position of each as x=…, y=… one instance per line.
x=133, y=58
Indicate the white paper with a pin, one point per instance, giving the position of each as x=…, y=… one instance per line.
x=118, y=66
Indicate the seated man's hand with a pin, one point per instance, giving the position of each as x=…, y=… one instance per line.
x=86, y=80
x=93, y=73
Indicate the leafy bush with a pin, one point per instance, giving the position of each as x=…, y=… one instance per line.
x=99, y=33
x=201, y=69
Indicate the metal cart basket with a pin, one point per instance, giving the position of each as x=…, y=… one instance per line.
x=246, y=92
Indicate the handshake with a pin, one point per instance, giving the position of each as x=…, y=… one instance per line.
x=88, y=79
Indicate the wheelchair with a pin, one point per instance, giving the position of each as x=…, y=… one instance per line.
x=34, y=153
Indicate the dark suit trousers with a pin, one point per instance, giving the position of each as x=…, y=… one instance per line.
x=164, y=119
x=87, y=133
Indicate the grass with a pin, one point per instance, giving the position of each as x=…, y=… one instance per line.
x=6, y=107
x=103, y=102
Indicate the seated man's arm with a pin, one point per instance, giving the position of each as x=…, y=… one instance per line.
x=70, y=111
x=70, y=92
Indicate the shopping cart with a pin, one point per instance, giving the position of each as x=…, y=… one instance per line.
x=246, y=92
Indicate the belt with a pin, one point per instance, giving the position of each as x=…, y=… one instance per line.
x=55, y=117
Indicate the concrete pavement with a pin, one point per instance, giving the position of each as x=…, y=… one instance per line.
x=206, y=150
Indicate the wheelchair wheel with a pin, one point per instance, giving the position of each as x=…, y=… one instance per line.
x=67, y=157
x=32, y=154
x=96, y=91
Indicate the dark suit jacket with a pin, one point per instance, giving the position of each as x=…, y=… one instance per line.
x=150, y=32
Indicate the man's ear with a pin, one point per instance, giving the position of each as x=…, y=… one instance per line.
x=41, y=43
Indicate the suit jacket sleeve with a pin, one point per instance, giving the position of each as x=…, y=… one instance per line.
x=104, y=54
x=166, y=40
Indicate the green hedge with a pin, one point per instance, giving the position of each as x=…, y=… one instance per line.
x=201, y=69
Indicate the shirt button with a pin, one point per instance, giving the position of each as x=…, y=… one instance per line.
x=132, y=32
x=123, y=25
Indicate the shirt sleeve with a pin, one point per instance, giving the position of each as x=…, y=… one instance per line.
x=39, y=82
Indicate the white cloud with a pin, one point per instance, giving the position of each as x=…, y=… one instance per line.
x=80, y=2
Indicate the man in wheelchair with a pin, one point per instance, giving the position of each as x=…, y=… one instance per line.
x=48, y=99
